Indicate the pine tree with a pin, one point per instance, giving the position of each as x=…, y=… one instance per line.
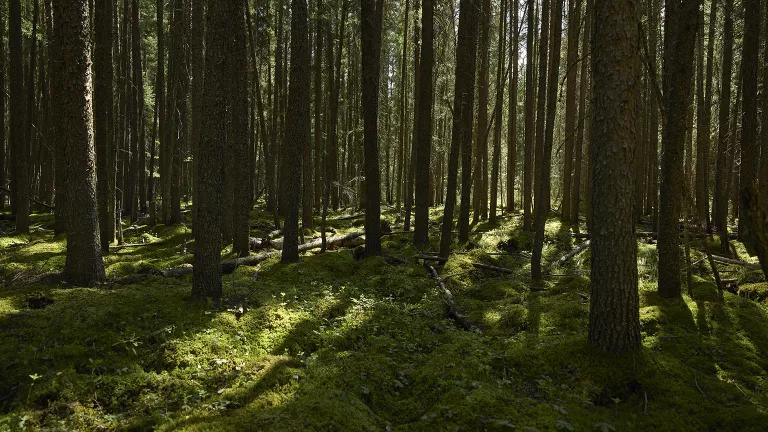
x=423, y=141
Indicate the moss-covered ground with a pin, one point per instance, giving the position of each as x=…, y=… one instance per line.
x=335, y=344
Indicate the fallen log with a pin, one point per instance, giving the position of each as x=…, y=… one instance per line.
x=476, y=265
x=724, y=260
x=565, y=258
x=229, y=266
x=450, y=304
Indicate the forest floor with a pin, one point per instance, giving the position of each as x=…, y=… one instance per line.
x=335, y=344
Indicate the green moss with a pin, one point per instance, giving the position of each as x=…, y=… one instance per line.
x=332, y=343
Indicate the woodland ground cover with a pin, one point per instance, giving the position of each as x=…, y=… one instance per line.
x=334, y=343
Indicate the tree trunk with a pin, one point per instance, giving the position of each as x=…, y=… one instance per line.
x=371, y=13
x=463, y=111
x=237, y=132
x=763, y=182
x=3, y=149
x=544, y=155
x=614, y=322
x=297, y=136
x=102, y=119
x=403, y=112
x=84, y=265
x=19, y=150
x=197, y=66
x=512, y=116
x=750, y=150
x=704, y=97
x=584, y=113
x=574, y=27
x=530, y=118
x=480, y=178
x=206, y=280
x=720, y=204
x=423, y=141
x=498, y=113
x=679, y=42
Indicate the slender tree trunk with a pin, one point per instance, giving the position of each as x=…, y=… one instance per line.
x=530, y=118
x=412, y=153
x=574, y=28
x=237, y=133
x=653, y=132
x=3, y=147
x=197, y=66
x=679, y=42
x=514, y=78
x=19, y=150
x=614, y=321
x=498, y=113
x=102, y=120
x=763, y=182
x=461, y=136
x=423, y=141
x=479, y=190
x=544, y=156
x=584, y=111
x=720, y=204
x=371, y=14
x=403, y=112
x=750, y=150
x=84, y=265
x=704, y=98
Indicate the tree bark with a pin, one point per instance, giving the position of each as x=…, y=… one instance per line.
x=530, y=118
x=480, y=173
x=297, y=136
x=3, y=149
x=461, y=136
x=750, y=150
x=544, y=155
x=423, y=142
x=514, y=77
x=206, y=279
x=498, y=113
x=614, y=322
x=237, y=134
x=19, y=150
x=679, y=42
x=720, y=204
x=102, y=120
x=371, y=12
x=84, y=265
x=574, y=28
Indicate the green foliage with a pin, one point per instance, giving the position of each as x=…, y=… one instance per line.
x=332, y=343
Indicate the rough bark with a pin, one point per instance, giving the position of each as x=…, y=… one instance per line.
x=84, y=265
x=498, y=113
x=297, y=136
x=19, y=151
x=423, y=142
x=463, y=110
x=479, y=171
x=704, y=116
x=614, y=322
x=544, y=155
x=102, y=119
x=574, y=28
x=206, y=280
x=372, y=12
x=679, y=42
x=3, y=149
x=750, y=150
x=720, y=203
x=237, y=133
x=514, y=78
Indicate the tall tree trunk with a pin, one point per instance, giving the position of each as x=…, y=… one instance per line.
x=584, y=114
x=84, y=265
x=514, y=77
x=102, y=120
x=371, y=14
x=614, y=321
x=750, y=150
x=530, y=118
x=544, y=156
x=720, y=204
x=679, y=41
x=159, y=107
x=297, y=136
x=763, y=182
x=574, y=28
x=424, y=127
x=704, y=97
x=403, y=112
x=237, y=132
x=653, y=127
x=498, y=113
x=334, y=88
x=19, y=150
x=197, y=66
x=3, y=144
x=206, y=279
x=479, y=190
x=412, y=153
x=461, y=136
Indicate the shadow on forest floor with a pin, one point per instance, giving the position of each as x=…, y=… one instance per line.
x=332, y=343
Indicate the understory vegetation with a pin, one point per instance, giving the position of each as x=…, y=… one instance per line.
x=334, y=343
